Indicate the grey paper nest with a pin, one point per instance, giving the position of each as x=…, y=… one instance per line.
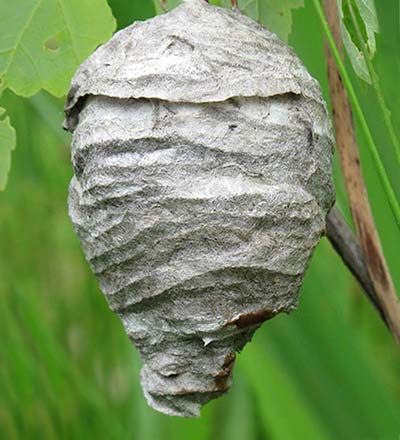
x=202, y=157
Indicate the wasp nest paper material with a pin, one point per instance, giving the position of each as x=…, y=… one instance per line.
x=202, y=157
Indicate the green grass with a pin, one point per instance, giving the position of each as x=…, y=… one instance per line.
x=328, y=371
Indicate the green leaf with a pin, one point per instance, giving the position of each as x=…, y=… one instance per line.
x=42, y=42
x=349, y=5
x=127, y=12
x=275, y=15
x=367, y=20
x=7, y=144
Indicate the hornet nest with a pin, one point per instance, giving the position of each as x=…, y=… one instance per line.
x=202, y=153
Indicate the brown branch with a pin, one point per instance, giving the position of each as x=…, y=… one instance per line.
x=356, y=190
x=347, y=246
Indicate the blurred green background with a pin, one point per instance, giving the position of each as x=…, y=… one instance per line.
x=328, y=371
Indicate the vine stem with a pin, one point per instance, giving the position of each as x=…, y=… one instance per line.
x=375, y=83
x=386, y=297
x=394, y=205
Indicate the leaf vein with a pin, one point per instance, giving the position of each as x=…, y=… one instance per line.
x=20, y=36
x=67, y=25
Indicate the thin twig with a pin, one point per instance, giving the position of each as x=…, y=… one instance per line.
x=347, y=246
x=355, y=185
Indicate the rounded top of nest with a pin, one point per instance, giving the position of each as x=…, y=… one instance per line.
x=196, y=53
